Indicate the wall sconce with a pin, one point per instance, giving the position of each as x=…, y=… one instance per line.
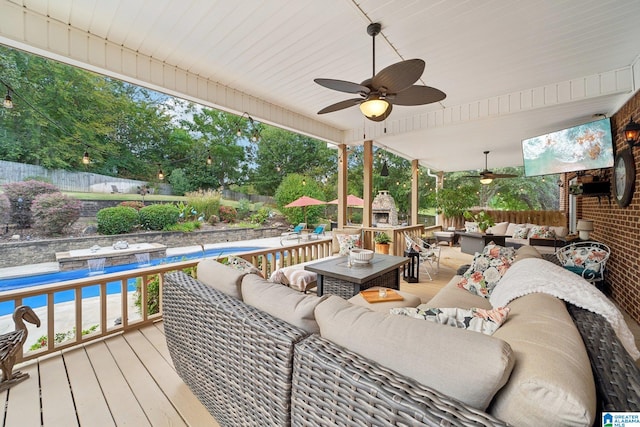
x=8, y=102
x=584, y=227
x=85, y=158
x=255, y=133
x=632, y=133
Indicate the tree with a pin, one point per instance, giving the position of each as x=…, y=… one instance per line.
x=292, y=187
x=214, y=133
x=281, y=152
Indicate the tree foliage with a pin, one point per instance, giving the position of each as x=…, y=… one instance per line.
x=294, y=186
x=281, y=153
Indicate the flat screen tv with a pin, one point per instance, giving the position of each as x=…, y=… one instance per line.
x=583, y=147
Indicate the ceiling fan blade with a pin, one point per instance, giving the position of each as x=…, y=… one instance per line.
x=399, y=76
x=504, y=175
x=417, y=95
x=343, y=86
x=340, y=105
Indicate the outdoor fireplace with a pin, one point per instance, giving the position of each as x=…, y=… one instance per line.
x=384, y=210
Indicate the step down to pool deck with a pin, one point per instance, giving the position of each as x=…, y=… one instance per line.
x=77, y=259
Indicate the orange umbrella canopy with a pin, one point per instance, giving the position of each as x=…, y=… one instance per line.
x=303, y=202
x=352, y=200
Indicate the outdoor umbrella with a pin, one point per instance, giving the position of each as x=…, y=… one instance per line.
x=352, y=202
x=303, y=202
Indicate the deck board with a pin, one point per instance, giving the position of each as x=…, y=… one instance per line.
x=23, y=405
x=153, y=402
x=123, y=380
x=91, y=407
x=167, y=378
x=121, y=400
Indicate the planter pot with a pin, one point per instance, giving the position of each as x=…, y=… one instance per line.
x=382, y=248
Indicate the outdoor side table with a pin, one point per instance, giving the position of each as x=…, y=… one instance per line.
x=411, y=270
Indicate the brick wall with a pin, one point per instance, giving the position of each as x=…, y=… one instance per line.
x=617, y=227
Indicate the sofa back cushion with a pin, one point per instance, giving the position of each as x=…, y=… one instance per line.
x=221, y=277
x=468, y=366
x=551, y=383
x=282, y=302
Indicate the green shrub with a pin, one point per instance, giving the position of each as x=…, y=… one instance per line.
x=185, y=227
x=179, y=182
x=53, y=212
x=206, y=203
x=157, y=217
x=261, y=216
x=228, y=214
x=243, y=209
x=21, y=195
x=61, y=337
x=132, y=204
x=117, y=220
x=5, y=209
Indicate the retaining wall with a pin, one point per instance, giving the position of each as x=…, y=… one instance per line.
x=34, y=252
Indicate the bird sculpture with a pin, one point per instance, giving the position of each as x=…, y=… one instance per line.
x=11, y=346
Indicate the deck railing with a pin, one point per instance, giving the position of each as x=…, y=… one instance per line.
x=119, y=305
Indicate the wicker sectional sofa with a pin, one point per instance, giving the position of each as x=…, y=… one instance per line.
x=258, y=353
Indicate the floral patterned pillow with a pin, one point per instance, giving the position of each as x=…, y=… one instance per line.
x=470, y=227
x=588, y=258
x=348, y=242
x=475, y=319
x=487, y=269
x=520, y=232
x=541, y=232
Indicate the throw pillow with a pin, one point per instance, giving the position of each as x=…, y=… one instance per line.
x=588, y=258
x=474, y=319
x=487, y=269
x=242, y=265
x=348, y=242
x=470, y=227
x=541, y=232
x=520, y=232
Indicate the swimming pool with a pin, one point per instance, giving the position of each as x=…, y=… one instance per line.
x=94, y=291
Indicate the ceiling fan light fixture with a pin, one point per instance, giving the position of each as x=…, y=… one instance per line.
x=486, y=181
x=374, y=107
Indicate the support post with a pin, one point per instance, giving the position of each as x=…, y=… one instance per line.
x=343, y=161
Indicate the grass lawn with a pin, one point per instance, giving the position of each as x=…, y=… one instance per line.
x=148, y=198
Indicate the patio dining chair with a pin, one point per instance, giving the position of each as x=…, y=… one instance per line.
x=429, y=254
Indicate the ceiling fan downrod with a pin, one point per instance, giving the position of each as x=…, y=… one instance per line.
x=373, y=30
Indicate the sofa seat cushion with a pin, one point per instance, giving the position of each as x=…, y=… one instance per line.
x=282, y=302
x=551, y=383
x=221, y=277
x=468, y=366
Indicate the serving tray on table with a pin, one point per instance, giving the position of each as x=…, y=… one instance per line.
x=372, y=295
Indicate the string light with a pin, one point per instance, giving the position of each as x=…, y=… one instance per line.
x=85, y=158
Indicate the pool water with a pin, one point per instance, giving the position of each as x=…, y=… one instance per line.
x=94, y=291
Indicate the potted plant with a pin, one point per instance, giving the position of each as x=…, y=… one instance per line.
x=481, y=218
x=382, y=241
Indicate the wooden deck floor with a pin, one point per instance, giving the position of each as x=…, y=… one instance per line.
x=123, y=380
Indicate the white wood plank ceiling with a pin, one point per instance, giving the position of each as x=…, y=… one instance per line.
x=510, y=69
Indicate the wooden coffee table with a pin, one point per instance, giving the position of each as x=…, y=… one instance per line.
x=335, y=277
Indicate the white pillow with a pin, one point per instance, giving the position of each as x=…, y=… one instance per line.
x=499, y=228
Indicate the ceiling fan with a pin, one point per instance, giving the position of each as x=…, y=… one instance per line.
x=486, y=176
x=394, y=85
